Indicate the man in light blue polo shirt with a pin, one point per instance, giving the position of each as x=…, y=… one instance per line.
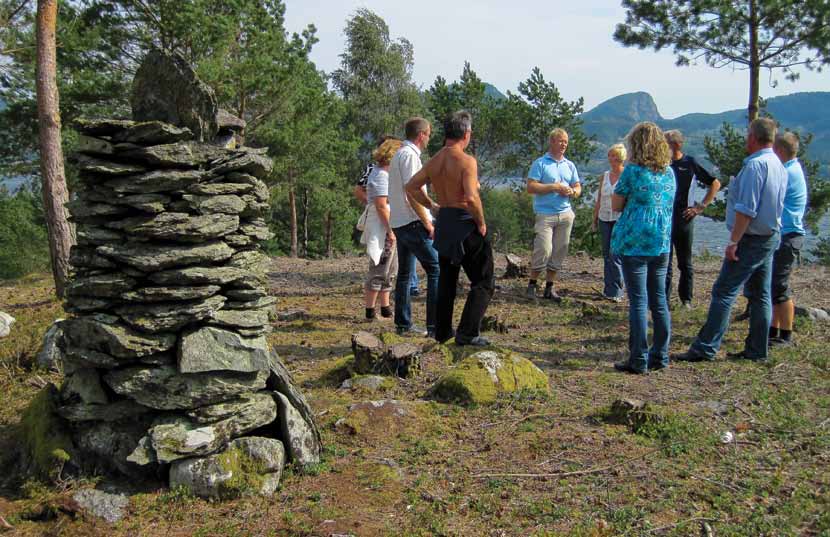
x=553, y=181
x=753, y=216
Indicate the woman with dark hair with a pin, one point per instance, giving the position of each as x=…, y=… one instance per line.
x=642, y=237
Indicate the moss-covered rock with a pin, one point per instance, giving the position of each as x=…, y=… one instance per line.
x=46, y=443
x=482, y=375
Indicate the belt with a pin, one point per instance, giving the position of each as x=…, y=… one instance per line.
x=410, y=225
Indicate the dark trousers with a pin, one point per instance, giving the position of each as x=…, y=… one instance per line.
x=682, y=237
x=478, y=266
x=412, y=240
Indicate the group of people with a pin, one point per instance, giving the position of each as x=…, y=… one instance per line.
x=403, y=224
x=644, y=210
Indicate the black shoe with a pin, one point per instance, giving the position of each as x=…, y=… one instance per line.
x=742, y=356
x=413, y=331
x=742, y=316
x=477, y=341
x=690, y=356
x=550, y=294
x=625, y=367
x=414, y=292
x=656, y=366
x=386, y=311
x=779, y=342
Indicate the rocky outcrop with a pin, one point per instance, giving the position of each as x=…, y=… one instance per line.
x=165, y=358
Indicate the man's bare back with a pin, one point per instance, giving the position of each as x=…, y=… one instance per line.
x=453, y=176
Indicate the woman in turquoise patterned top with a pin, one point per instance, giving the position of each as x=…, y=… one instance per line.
x=642, y=236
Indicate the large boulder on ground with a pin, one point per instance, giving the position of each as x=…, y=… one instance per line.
x=482, y=376
x=50, y=355
x=296, y=417
x=248, y=466
x=166, y=88
x=814, y=314
x=109, y=506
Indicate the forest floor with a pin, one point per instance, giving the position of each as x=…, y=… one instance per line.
x=530, y=464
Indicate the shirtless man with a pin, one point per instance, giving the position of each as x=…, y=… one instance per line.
x=460, y=232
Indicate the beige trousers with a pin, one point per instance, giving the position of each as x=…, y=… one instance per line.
x=550, y=246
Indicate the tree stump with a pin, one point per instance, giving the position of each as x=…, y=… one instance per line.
x=368, y=352
x=403, y=359
x=516, y=267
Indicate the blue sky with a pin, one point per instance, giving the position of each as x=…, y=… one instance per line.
x=570, y=41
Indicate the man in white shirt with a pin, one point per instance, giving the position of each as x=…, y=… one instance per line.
x=412, y=225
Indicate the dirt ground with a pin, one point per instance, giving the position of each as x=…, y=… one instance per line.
x=529, y=464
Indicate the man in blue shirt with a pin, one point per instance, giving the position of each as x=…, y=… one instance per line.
x=792, y=239
x=753, y=216
x=553, y=181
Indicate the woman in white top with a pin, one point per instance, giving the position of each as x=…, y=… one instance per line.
x=377, y=235
x=605, y=218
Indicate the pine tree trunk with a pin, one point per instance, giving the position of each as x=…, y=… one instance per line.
x=329, y=229
x=292, y=209
x=53, y=177
x=754, y=63
x=305, y=222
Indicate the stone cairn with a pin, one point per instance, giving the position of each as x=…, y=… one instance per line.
x=166, y=362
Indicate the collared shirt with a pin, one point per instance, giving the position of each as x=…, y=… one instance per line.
x=405, y=164
x=688, y=173
x=548, y=170
x=758, y=192
x=795, y=201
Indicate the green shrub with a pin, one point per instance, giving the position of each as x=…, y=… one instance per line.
x=23, y=244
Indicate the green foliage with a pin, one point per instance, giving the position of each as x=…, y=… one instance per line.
x=23, y=245
x=532, y=114
x=375, y=78
x=773, y=35
x=509, y=218
x=822, y=251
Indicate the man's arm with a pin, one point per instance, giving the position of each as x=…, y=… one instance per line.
x=469, y=181
x=714, y=187
x=536, y=187
x=742, y=222
x=415, y=189
x=413, y=198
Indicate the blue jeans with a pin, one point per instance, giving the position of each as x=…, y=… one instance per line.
x=645, y=281
x=612, y=264
x=753, y=268
x=412, y=241
x=413, y=276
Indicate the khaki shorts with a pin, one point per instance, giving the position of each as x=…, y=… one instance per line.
x=381, y=277
x=550, y=246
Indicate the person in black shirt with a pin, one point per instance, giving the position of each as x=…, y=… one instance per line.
x=687, y=173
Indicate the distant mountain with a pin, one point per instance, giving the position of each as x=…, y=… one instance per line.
x=494, y=92
x=803, y=112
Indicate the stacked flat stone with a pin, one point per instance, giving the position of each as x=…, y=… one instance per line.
x=166, y=360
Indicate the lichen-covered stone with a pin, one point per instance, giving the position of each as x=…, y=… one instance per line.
x=101, y=127
x=82, y=210
x=45, y=439
x=102, y=504
x=481, y=377
x=104, y=446
x=153, y=257
x=257, y=304
x=110, y=285
x=164, y=388
x=201, y=276
x=239, y=318
x=86, y=257
x=177, y=437
x=114, y=339
x=281, y=381
x=303, y=444
x=183, y=154
x=89, y=235
x=217, y=189
x=92, y=168
x=223, y=204
x=369, y=383
x=51, y=355
x=260, y=189
x=82, y=305
x=247, y=163
x=248, y=466
x=83, y=387
x=151, y=133
x=148, y=203
x=155, y=181
x=116, y=411
x=166, y=88
x=169, y=316
x=214, y=349
x=170, y=294
x=178, y=227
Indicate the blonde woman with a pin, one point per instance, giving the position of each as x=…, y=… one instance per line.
x=605, y=218
x=644, y=195
x=378, y=236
